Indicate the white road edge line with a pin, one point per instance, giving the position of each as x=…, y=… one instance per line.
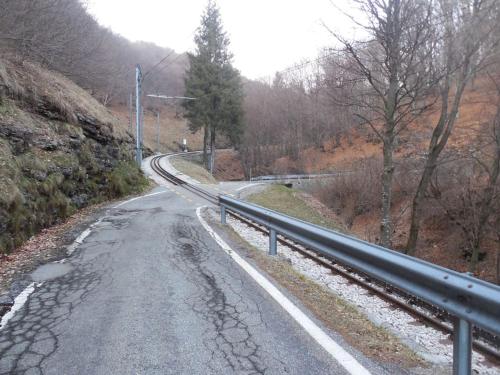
x=79, y=240
x=143, y=196
x=250, y=185
x=19, y=302
x=345, y=359
x=21, y=299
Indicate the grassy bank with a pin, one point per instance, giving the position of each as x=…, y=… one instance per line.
x=193, y=168
x=59, y=152
x=293, y=203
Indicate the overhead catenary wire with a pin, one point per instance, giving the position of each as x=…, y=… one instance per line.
x=157, y=65
x=166, y=57
x=301, y=65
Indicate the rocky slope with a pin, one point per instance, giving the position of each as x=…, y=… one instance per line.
x=59, y=151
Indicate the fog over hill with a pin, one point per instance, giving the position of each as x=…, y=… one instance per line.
x=62, y=36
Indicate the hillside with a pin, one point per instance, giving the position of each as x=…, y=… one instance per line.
x=60, y=150
x=355, y=197
x=360, y=143
x=173, y=128
x=66, y=38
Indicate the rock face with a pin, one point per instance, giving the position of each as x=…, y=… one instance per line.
x=55, y=157
x=101, y=133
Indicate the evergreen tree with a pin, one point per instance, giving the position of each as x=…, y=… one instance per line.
x=216, y=85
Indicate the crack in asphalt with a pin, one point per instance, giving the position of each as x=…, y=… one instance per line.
x=31, y=336
x=231, y=318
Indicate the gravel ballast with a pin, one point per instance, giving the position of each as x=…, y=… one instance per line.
x=432, y=345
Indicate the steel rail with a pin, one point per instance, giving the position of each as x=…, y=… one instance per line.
x=155, y=164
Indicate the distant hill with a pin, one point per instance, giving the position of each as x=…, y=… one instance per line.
x=62, y=36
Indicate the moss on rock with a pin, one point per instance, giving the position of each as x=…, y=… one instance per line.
x=56, y=171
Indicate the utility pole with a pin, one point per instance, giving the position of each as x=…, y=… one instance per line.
x=158, y=131
x=138, y=115
x=143, y=121
x=130, y=110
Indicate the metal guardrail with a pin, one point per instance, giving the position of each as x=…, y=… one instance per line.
x=298, y=176
x=471, y=301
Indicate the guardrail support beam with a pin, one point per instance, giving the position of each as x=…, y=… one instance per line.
x=223, y=215
x=458, y=294
x=272, y=242
x=462, y=347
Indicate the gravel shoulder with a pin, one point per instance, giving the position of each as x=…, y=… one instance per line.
x=379, y=330
x=339, y=317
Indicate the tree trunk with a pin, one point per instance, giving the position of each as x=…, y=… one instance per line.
x=487, y=201
x=212, y=151
x=386, y=223
x=416, y=214
x=205, y=143
x=474, y=258
x=498, y=265
x=439, y=139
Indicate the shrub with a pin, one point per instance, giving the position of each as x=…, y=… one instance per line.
x=125, y=179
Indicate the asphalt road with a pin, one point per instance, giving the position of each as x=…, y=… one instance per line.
x=150, y=292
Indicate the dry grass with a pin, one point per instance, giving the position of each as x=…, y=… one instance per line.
x=228, y=166
x=294, y=203
x=172, y=130
x=193, y=169
x=29, y=83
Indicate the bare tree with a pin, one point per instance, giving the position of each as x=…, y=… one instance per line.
x=470, y=195
x=286, y=116
x=386, y=80
x=497, y=230
x=469, y=31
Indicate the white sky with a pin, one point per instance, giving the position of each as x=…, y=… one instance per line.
x=266, y=35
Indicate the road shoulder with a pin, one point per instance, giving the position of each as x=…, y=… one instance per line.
x=342, y=321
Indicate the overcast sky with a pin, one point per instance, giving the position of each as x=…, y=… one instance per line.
x=266, y=35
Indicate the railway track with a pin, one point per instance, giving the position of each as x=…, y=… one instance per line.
x=155, y=164
x=484, y=342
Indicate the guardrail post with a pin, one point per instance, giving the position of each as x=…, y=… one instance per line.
x=272, y=242
x=223, y=215
x=462, y=347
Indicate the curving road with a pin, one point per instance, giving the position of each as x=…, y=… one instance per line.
x=150, y=292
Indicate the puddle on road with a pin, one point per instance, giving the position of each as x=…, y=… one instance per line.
x=50, y=271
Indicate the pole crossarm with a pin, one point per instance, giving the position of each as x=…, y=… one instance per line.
x=171, y=97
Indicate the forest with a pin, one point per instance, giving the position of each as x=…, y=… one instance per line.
x=410, y=115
